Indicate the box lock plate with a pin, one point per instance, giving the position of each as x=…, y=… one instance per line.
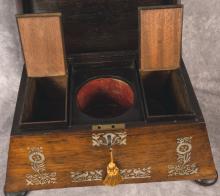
x=109, y=135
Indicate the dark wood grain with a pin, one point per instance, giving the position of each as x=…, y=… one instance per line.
x=44, y=102
x=96, y=25
x=166, y=96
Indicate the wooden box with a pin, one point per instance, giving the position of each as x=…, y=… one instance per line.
x=120, y=83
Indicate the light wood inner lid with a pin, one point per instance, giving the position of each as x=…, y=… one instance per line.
x=42, y=44
x=160, y=38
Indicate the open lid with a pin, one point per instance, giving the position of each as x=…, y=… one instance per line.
x=160, y=37
x=42, y=44
x=95, y=25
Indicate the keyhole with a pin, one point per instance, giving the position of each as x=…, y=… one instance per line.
x=109, y=140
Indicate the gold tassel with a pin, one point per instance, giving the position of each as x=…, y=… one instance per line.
x=113, y=176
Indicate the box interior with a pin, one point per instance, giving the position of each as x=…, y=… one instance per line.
x=105, y=89
x=45, y=100
x=165, y=93
x=101, y=35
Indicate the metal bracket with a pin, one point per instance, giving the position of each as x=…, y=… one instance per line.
x=107, y=127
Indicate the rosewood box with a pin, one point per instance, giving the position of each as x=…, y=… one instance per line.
x=104, y=98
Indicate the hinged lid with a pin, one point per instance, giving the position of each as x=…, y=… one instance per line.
x=160, y=37
x=42, y=44
x=95, y=25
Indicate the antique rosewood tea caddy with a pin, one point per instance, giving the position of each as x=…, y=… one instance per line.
x=104, y=98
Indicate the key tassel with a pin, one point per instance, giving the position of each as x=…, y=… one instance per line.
x=113, y=176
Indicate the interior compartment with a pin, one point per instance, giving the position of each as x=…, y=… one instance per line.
x=165, y=94
x=105, y=98
x=105, y=89
x=45, y=100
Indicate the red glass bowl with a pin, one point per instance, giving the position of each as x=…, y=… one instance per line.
x=105, y=98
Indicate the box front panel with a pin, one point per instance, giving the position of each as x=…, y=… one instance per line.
x=153, y=153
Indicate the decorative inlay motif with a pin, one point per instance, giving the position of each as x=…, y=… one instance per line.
x=39, y=176
x=136, y=173
x=183, y=167
x=116, y=138
x=96, y=175
x=84, y=176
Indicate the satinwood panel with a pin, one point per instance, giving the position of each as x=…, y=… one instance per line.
x=42, y=44
x=160, y=38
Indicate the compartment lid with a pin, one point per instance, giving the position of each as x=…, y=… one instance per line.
x=95, y=25
x=42, y=44
x=160, y=37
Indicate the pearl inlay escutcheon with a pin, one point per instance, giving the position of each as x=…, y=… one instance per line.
x=117, y=138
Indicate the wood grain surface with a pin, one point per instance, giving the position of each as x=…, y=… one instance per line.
x=42, y=44
x=151, y=146
x=97, y=25
x=160, y=37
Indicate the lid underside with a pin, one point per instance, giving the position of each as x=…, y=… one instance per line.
x=42, y=44
x=160, y=37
